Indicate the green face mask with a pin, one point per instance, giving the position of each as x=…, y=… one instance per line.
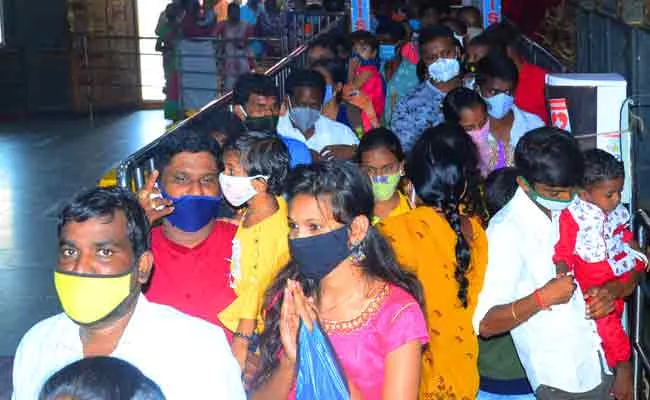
x=547, y=203
x=383, y=187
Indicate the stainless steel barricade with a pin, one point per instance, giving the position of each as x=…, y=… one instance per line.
x=640, y=310
x=538, y=55
x=132, y=172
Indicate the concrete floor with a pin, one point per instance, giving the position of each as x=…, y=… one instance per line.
x=42, y=164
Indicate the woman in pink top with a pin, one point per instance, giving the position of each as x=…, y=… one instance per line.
x=344, y=277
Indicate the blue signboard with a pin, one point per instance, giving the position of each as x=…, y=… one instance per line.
x=360, y=15
x=491, y=12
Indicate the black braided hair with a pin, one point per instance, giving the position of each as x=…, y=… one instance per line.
x=440, y=181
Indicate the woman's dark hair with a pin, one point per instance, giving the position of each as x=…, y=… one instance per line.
x=349, y=193
x=497, y=65
x=397, y=32
x=601, y=166
x=364, y=37
x=471, y=10
x=505, y=35
x=262, y=153
x=488, y=41
x=458, y=100
x=421, y=71
x=100, y=378
x=550, y=156
x=500, y=188
x=185, y=139
x=334, y=67
x=439, y=178
x=326, y=41
x=221, y=121
x=305, y=78
x=342, y=45
x=380, y=138
x=455, y=25
x=104, y=203
x=453, y=136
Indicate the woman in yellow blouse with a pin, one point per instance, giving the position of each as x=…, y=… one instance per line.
x=380, y=155
x=448, y=252
x=255, y=167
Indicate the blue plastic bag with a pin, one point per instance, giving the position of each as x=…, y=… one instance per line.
x=319, y=375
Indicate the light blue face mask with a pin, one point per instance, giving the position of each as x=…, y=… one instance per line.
x=444, y=70
x=386, y=52
x=415, y=24
x=303, y=118
x=499, y=105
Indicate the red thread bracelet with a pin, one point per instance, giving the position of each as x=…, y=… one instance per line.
x=539, y=300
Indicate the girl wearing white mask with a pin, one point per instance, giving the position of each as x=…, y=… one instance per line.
x=497, y=80
x=255, y=167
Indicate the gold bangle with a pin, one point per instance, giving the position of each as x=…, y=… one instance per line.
x=514, y=314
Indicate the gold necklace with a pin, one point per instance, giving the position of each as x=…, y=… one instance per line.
x=347, y=298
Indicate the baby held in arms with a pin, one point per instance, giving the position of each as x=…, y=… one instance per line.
x=597, y=247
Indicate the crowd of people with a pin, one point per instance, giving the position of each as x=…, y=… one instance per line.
x=193, y=66
x=417, y=209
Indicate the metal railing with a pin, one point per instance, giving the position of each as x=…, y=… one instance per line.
x=132, y=172
x=109, y=66
x=538, y=55
x=640, y=308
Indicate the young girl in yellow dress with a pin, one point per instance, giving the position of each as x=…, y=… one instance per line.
x=255, y=167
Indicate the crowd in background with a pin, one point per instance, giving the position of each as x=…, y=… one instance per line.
x=404, y=196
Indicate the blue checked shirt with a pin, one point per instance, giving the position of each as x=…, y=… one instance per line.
x=418, y=110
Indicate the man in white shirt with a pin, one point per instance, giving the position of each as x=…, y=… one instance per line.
x=558, y=346
x=326, y=138
x=104, y=259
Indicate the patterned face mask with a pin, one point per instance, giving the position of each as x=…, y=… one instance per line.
x=444, y=70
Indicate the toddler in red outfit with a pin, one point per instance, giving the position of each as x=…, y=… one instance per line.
x=596, y=246
x=365, y=77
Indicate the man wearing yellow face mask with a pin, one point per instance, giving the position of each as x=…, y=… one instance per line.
x=104, y=259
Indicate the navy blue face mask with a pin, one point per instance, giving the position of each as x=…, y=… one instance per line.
x=362, y=61
x=191, y=213
x=317, y=256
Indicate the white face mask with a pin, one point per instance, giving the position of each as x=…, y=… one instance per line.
x=444, y=70
x=499, y=105
x=238, y=189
